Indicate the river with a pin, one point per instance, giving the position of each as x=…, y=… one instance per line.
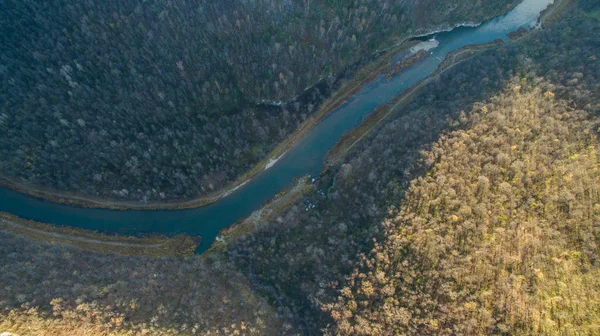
x=306, y=157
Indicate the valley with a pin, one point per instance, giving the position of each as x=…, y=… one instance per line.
x=456, y=195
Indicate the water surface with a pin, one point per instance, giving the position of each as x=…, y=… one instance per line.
x=306, y=157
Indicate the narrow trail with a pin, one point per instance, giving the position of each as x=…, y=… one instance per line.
x=78, y=239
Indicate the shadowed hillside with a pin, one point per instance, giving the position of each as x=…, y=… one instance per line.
x=52, y=289
x=473, y=209
x=175, y=99
x=306, y=256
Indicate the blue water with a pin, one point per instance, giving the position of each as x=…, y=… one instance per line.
x=306, y=157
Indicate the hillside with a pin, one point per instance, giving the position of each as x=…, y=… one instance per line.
x=473, y=209
x=500, y=236
x=52, y=289
x=176, y=99
x=312, y=255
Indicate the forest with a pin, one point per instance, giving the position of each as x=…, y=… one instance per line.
x=501, y=235
x=165, y=100
x=322, y=261
x=62, y=290
x=474, y=209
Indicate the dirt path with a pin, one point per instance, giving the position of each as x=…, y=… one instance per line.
x=155, y=246
x=78, y=239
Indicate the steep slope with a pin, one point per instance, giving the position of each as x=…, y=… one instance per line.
x=52, y=289
x=501, y=236
x=171, y=100
x=337, y=268
x=307, y=255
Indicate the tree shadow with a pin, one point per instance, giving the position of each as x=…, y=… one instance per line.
x=302, y=256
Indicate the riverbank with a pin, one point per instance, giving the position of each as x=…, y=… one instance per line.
x=554, y=12
x=381, y=62
x=376, y=118
x=268, y=211
x=154, y=246
x=355, y=136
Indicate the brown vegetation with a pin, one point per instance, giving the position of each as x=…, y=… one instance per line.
x=51, y=288
x=473, y=209
x=501, y=236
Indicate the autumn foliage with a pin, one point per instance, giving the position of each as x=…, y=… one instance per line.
x=501, y=236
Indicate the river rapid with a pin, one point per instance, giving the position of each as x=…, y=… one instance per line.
x=306, y=157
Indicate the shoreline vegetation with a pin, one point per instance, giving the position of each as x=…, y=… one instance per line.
x=353, y=137
x=266, y=212
x=368, y=73
x=379, y=63
x=153, y=246
x=473, y=208
x=344, y=145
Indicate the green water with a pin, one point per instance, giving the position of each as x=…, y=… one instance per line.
x=306, y=157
